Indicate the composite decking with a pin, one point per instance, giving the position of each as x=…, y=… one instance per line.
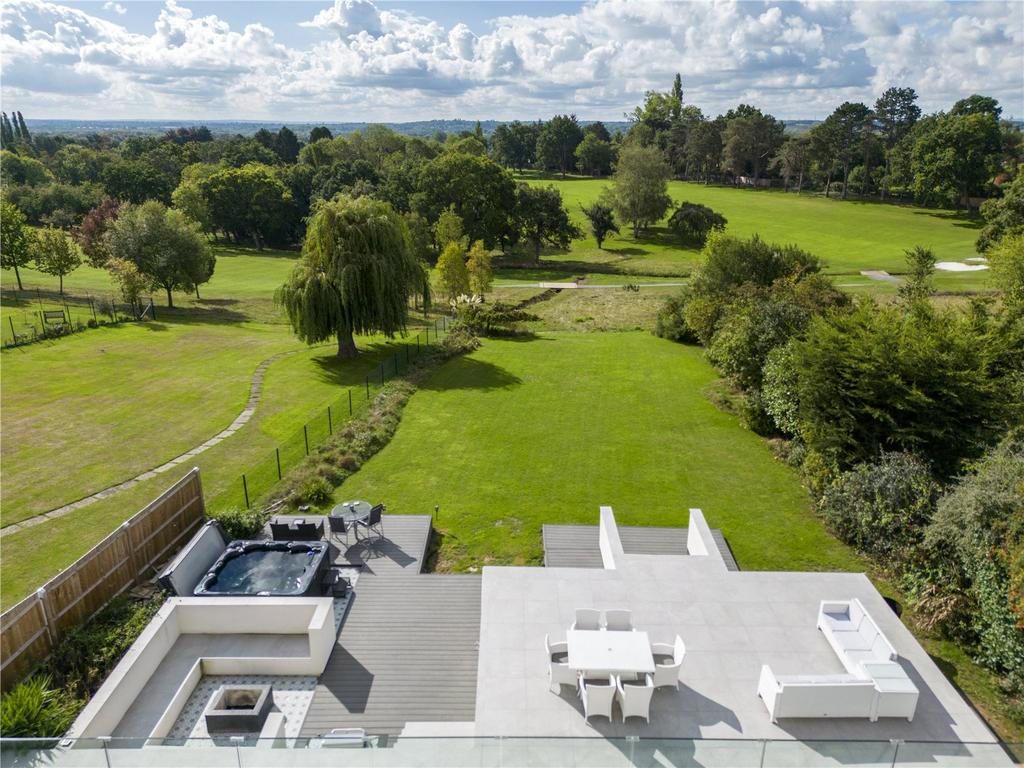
x=407, y=650
x=577, y=546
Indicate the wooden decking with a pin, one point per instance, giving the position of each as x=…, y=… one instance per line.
x=407, y=650
x=576, y=546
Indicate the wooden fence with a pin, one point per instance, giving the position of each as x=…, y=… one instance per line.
x=130, y=555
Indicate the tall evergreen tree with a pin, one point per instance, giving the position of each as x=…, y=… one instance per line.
x=23, y=129
x=6, y=132
x=677, y=97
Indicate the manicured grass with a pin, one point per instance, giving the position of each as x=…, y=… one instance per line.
x=242, y=288
x=90, y=410
x=522, y=433
x=297, y=389
x=849, y=236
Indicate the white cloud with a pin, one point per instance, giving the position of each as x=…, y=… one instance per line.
x=794, y=59
x=117, y=8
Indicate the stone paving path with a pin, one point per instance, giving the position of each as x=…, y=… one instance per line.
x=255, y=390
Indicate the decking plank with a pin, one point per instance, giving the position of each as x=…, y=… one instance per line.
x=407, y=650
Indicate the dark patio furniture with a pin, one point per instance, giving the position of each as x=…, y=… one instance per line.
x=283, y=529
x=339, y=527
x=373, y=520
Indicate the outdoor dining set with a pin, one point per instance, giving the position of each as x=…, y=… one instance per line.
x=609, y=660
x=347, y=517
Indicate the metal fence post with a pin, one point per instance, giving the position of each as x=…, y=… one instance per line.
x=382, y=373
x=764, y=747
x=367, y=386
x=14, y=336
x=305, y=436
x=350, y=402
x=245, y=490
x=330, y=422
x=277, y=453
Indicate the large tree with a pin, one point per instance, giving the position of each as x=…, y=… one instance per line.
x=164, y=245
x=15, y=240
x=793, y=159
x=602, y=220
x=482, y=192
x=842, y=136
x=956, y=156
x=896, y=113
x=136, y=180
x=356, y=274
x=704, y=147
x=543, y=219
x=594, y=155
x=639, y=191
x=250, y=201
x=557, y=142
x=750, y=139
x=56, y=254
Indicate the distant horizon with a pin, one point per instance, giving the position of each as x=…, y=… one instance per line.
x=392, y=61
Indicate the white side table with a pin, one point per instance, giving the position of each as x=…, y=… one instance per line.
x=895, y=693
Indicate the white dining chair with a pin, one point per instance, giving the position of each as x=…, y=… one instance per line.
x=667, y=672
x=557, y=651
x=597, y=694
x=618, y=620
x=635, y=697
x=587, y=618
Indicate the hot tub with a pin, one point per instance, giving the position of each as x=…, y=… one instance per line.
x=274, y=568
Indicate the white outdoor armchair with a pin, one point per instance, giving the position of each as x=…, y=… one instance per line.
x=558, y=669
x=667, y=672
x=635, y=697
x=587, y=618
x=597, y=696
x=556, y=651
x=618, y=620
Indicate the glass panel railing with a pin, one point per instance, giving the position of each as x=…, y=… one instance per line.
x=484, y=752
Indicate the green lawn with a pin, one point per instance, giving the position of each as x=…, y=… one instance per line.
x=297, y=389
x=849, y=236
x=522, y=433
x=140, y=394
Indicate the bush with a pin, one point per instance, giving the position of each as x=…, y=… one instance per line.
x=882, y=508
x=944, y=385
x=670, y=322
x=976, y=545
x=487, y=319
x=33, y=709
x=240, y=523
x=779, y=389
x=314, y=490
x=693, y=222
x=460, y=340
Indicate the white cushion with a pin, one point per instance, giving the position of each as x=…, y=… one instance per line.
x=850, y=641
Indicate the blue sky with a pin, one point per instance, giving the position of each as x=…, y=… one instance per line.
x=367, y=60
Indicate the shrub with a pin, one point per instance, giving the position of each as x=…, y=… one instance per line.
x=460, y=340
x=881, y=508
x=240, y=523
x=670, y=322
x=490, y=318
x=941, y=384
x=314, y=490
x=33, y=709
x=693, y=222
x=87, y=653
x=976, y=542
x=779, y=389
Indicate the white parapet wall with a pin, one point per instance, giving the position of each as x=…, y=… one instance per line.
x=256, y=619
x=699, y=541
x=608, y=539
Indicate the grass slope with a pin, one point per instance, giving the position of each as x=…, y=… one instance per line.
x=522, y=433
x=848, y=235
x=296, y=389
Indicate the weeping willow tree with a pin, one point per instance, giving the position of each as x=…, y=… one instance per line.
x=356, y=274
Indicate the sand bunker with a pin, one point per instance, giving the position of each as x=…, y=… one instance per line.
x=959, y=266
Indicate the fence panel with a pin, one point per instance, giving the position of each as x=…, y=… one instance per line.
x=129, y=555
x=260, y=478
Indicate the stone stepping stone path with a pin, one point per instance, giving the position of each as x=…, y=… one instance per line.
x=255, y=390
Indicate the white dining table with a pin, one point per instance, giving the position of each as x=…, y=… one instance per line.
x=613, y=653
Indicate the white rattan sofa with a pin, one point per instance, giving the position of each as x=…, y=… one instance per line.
x=875, y=685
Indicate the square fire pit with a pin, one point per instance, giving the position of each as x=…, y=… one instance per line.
x=239, y=709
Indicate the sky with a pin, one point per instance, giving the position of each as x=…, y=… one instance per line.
x=371, y=60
